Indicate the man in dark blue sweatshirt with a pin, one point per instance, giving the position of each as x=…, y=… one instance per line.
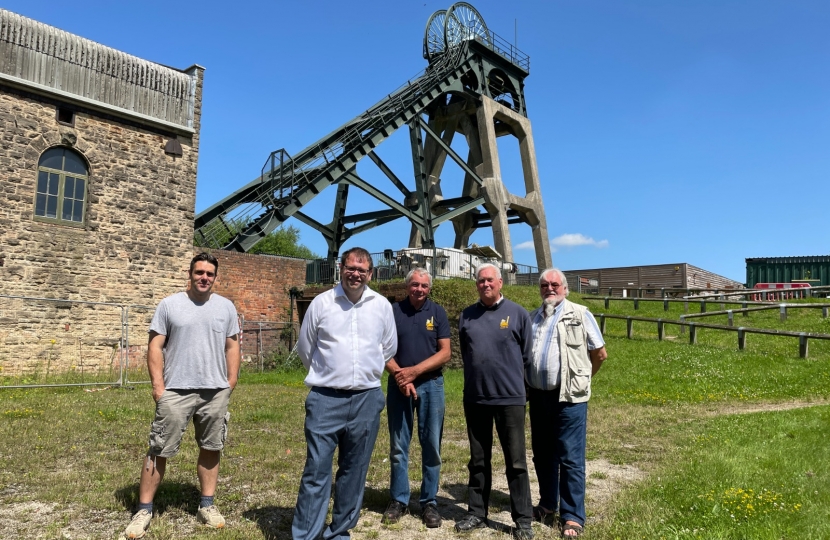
x=495, y=336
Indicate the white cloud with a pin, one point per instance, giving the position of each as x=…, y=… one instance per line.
x=526, y=245
x=576, y=239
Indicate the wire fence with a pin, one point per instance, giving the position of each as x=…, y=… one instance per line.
x=56, y=342
x=266, y=344
x=59, y=342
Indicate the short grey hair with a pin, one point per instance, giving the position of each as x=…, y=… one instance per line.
x=562, y=278
x=488, y=265
x=421, y=271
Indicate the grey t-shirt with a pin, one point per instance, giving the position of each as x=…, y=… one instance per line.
x=194, y=351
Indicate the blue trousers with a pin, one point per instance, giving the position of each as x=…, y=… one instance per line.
x=400, y=412
x=558, y=434
x=347, y=421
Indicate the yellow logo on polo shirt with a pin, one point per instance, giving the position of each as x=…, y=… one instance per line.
x=431, y=324
x=505, y=322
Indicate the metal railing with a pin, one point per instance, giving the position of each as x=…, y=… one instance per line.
x=439, y=262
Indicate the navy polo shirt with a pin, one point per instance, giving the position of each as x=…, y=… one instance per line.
x=418, y=333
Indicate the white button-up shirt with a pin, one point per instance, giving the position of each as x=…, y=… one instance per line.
x=345, y=345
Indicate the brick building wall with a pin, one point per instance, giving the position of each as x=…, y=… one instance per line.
x=259, y=286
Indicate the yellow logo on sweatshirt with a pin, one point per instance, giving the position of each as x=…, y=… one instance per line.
x=431, y=324
x=505, y=322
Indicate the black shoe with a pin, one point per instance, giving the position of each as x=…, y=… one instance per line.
x=523, y=533
x=431, y=517
x=470, y=522
x=394, y=512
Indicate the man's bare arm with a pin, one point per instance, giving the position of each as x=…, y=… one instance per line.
x=155, y=363
x=598, y=356
x=407, y=375
x=233, y=359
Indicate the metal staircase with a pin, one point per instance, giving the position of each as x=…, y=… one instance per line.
x=288, y=183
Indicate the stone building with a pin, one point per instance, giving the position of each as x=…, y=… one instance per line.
x=97, y=168
x=97, y=191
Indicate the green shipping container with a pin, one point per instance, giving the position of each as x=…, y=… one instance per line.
x=788, y=269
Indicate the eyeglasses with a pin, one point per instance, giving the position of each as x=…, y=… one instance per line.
x=355, y=270
x=550, y=285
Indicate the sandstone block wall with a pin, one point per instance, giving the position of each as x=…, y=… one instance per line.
x=137, y=238
x=133, y=247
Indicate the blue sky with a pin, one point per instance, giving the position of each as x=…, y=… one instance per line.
x=665, y=131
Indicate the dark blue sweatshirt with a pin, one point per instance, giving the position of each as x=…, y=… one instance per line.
x=495, y=349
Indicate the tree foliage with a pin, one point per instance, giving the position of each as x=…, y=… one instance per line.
x=284, y=240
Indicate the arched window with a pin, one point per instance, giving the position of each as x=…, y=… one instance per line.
x=62, y=178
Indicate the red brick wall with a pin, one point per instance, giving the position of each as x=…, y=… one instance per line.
x=258, y=285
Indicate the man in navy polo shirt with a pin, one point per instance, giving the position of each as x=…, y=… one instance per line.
x=417, y=386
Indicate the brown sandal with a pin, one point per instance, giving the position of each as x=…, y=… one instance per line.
x=571, y=527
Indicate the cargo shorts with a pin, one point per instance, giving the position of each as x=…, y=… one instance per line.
x=175, y=408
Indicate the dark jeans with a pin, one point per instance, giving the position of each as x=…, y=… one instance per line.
x=510, y=426
x=558, y=435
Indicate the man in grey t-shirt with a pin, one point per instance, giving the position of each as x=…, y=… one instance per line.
x=193, y=360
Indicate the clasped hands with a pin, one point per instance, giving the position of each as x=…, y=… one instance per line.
x=405, y=378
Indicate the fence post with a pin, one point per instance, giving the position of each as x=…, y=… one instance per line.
x=802, y=345
x=259, y=349
x=686, y=306
x=741, y=338
x=607, y=302
x=682, y=326
x=665, y=305
x=125, y=346
x=602, y=323
x=662, y=292
x=610, y=291
x=743, y=306
x=660, y=329
x=629, y=327
x=729, y=316
x=703, y=306
x=692, y=334
x=636, y=304
x=824, y=312
x=783, y=309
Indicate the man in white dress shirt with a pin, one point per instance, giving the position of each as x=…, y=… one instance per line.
x=347, y=336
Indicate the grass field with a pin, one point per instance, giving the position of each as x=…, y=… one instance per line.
x=685, y=441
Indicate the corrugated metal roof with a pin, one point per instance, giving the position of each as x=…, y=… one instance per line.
x=796, y=259
x=48, y=60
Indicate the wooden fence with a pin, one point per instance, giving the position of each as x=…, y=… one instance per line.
x=803, y=337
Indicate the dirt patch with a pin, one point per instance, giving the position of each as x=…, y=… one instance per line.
x=33, y=520
x=762, y=407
